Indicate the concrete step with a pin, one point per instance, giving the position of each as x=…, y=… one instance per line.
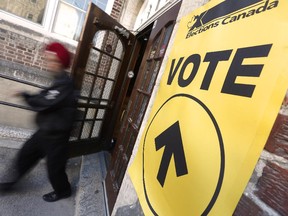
x=13, y=137
x=89, y=192
x=26, y=199
x=91, y=197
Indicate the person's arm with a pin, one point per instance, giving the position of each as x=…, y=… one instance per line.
x=48, y=98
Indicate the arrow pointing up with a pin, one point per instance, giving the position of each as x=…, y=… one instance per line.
x=171, y=139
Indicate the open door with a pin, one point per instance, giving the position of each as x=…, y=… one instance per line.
x=100, y=72
x=159, y=34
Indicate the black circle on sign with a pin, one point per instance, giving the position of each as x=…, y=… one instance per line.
x=221, y=146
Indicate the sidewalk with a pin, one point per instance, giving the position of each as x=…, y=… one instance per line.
x=85, y=173
x=27, y=200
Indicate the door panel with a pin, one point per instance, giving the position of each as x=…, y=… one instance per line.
x=139, y=100
x=99, y=70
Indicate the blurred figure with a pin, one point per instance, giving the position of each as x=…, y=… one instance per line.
x=56, y=108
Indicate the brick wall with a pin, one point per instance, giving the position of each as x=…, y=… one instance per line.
x=117, y=9
x=20, y=46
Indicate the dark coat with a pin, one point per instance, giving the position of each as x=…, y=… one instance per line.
x=55, y=105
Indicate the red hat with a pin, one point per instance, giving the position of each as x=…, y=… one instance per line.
x=62, y=53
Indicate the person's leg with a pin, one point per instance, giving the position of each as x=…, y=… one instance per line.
x=29, y=154
x=27, y=158
x=56, y=164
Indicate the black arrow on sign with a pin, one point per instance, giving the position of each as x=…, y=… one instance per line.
x=171, y=139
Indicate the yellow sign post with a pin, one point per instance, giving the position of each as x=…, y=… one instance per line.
x=221, y=91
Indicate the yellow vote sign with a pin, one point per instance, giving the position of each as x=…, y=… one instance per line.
x=221, y=91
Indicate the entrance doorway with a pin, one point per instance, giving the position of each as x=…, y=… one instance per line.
x=148, y=55
x=115, y=73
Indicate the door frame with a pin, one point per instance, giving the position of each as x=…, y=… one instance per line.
x=170, y=16
x=97, y=20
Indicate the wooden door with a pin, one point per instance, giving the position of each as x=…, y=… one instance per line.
x=150, y=65
x=100, y=72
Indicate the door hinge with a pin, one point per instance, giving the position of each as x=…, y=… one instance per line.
x=122, y=31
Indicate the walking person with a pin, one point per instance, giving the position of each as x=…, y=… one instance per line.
x=56, y=109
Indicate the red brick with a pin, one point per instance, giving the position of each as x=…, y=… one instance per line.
x=277, y=142
x=29, y=54
x=247, y=207
x=116, y=11
x=17, y=61
x=273, y=188
x=10, y=48
x=21, y=48
x=20, y=55
x=11, y=56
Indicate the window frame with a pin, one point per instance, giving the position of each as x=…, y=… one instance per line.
x=46, y=28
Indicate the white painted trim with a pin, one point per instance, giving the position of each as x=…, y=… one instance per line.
x=48, y=20
x=109, y=6
x=45, y=29
x=156, y=15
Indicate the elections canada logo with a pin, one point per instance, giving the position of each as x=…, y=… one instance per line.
x=227, y=12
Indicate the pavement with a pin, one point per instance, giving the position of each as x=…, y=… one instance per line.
x=85, y=173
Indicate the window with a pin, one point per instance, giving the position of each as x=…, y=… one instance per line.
x=24, y=9
x=62, y=18
x=70, y=16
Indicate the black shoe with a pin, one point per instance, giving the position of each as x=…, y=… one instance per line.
x=7, y=186
x=53, y=196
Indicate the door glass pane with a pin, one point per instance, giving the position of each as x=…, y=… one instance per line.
x=100, y=114
x=146, y=73
x=30, y=10
x=153, y=77
x=154, y=47
x=86, y=85
x=165, y=41
x=96, y=129
x=108, y=90
x=114, y=69
x=92, y=62
x=90, y=113
x=130, y=144
x=86, y=129
x=142, y=110
x=98, y=87
x=134, y=105
x=109, y=42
